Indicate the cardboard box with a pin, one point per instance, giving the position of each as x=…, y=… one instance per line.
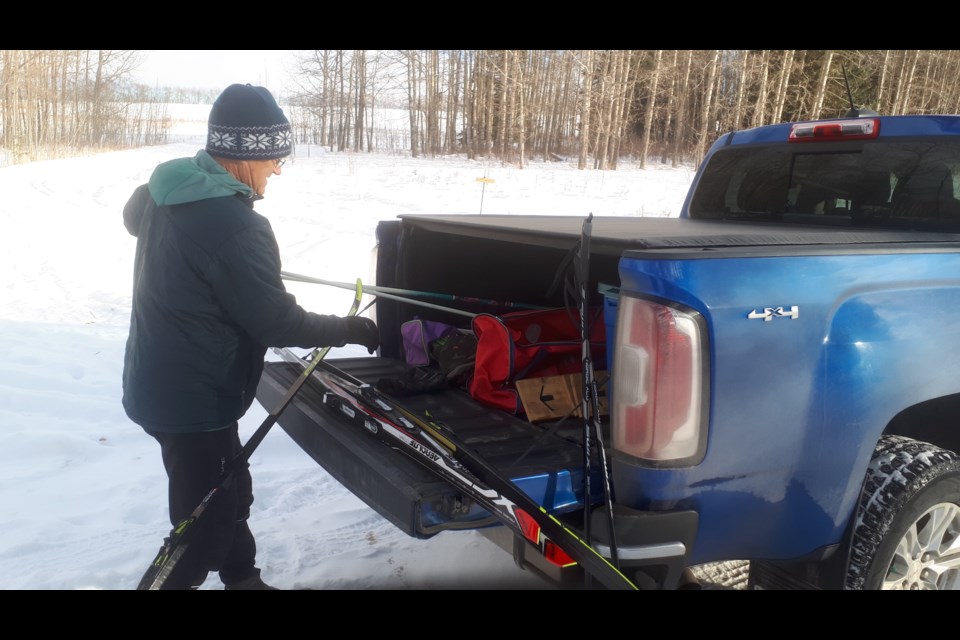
x=553, y=397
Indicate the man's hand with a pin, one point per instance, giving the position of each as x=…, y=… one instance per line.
x=362, y=331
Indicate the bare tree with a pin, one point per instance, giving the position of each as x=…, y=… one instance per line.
x=627, y=91
x=908, y=63
x=454, y=88
x=603, y=101
x=671, y=78
x=821, y=86
x=759, y=112
x=682, y=117
x=359, y=82
x=742, y=82
x=414, y=75
x=884, y=79
x=783, y=82
x=431, y=105
x=506, y=104
x=651, y=104
x=707, y=121
x=520, y=122
x=586, y=91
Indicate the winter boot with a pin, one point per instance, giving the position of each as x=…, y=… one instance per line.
x=253, y=583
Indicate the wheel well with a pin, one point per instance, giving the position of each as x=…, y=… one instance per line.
x=936, y=421
x=899, y=469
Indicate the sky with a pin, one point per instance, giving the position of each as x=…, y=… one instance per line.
x=82, y=487
x=216, y=68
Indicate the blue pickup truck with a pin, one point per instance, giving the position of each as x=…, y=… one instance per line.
x=783, y=367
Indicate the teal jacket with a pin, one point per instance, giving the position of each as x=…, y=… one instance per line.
x=208, y=300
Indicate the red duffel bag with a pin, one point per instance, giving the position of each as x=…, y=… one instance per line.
x=529, y=344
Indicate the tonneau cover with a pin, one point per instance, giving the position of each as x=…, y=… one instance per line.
x=613, y=235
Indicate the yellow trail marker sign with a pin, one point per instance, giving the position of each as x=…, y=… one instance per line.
x=485, y=181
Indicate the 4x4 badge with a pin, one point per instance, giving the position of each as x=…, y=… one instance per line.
x=769, y=313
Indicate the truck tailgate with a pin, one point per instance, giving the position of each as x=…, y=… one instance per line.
x=543, y=461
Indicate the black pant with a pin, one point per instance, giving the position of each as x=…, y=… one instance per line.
x=195, y=463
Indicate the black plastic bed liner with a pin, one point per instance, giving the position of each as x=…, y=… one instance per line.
x=545, y=461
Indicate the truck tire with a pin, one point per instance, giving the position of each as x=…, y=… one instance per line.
x=907, y=531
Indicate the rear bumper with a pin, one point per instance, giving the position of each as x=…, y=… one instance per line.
x=652, y=548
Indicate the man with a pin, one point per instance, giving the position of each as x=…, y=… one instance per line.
x=208, y=301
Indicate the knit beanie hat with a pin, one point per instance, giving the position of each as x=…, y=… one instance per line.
x=247, y=124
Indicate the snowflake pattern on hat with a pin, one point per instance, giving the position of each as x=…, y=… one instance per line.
x=250, y=143
x=254, y=141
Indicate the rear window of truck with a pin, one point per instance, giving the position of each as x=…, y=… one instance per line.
x=875, y=183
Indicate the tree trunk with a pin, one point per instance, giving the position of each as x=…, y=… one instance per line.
x=742, y=81
x=901, y=84
x=821, y=85
x=603, y=115
x=668, y=109
x=586, y=89
x=908, y=82
x=682, y=115
x=431, y=102
x=413, y=81
x=360, y=110
x=706, y=115
x=490, y=106
x=651, y=103
x=627, y=84
x=759, y=113
x=782, y=84
x=453, y=89
x=521, y=113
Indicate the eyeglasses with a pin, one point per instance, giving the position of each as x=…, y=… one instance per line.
x=279, y=163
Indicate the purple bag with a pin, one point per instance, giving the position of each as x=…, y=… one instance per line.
x=417, y=335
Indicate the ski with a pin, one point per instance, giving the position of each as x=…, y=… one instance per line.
x=419, y=445
x=160, y=575
x=433, y=445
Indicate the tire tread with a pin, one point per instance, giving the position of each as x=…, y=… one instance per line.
x=899, y=469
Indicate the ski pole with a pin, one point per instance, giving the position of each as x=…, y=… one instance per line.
x=388, y=291
x=591, y=400
x=298, y=278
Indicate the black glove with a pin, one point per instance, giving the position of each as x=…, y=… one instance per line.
x=362, y=331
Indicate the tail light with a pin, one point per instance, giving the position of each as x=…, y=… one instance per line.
x=826, y=130
x=658, y=377
x=550, y=550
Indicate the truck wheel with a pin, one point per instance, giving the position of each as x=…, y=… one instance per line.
x=907, y=532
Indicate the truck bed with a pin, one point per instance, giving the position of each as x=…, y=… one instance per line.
x=544, y=459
